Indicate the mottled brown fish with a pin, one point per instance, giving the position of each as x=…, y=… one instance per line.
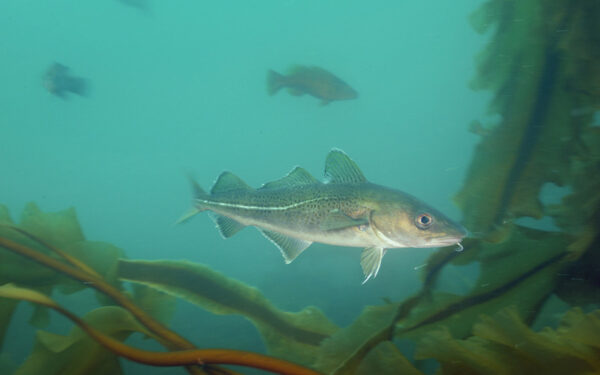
x=346, y=210
x=313, y=81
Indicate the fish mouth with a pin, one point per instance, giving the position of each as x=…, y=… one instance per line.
x=452, y=239
x=447, y=241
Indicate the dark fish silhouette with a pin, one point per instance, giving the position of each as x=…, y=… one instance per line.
x=141, y=5
x=313, y=81
x=58, y=81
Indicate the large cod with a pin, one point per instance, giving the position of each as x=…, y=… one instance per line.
x=345, y=210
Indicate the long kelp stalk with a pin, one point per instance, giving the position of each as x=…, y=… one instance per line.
x=200, y=357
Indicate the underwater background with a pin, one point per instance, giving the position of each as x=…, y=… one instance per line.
x=179, y=88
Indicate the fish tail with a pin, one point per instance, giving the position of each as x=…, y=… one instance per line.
x=275, y=81
x=78, y=86
x=199, y=193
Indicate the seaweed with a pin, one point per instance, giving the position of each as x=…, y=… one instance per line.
x=504, y=344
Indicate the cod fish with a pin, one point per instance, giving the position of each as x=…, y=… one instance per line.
x=346, y=210
x=313, y=81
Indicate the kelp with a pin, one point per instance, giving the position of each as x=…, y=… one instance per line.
x=123, y=324
x=77, y=353
x=521, y=270
x=347, y=351
x=293, y=336
x=183, y=353
x=541, y=70
x=504, y=344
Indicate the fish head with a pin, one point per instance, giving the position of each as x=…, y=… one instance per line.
x=407, y=222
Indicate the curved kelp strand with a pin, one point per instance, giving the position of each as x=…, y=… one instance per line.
x=166, y=337
x=170, y=339
x=70, y=259
x=200, y=357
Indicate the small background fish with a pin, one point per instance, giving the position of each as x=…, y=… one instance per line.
x=313, y=81
x=59, y=82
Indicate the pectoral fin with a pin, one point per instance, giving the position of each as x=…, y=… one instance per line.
x=290, y=247
x=370, y=261
x=339, y=220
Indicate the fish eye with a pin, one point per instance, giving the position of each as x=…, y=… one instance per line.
x=423, y=221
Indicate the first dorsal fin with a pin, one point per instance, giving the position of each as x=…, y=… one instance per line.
x=227, y=181
x=297, y=177
x=339, y=168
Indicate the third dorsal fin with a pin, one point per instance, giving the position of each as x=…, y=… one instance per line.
x=339, y=168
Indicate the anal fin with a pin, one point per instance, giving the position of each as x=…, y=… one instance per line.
x=370, y=261
x=290, y=247
x=226, y=226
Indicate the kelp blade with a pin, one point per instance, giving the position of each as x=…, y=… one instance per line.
x=291, y=336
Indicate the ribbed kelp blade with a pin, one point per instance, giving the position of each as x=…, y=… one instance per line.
x=502, y=343
x=291, y=336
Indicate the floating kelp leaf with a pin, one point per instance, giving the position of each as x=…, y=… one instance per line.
x=57, y=228
x=504, y=344
x=102, y=257
x=160, y=305
x=293, y=336
x=339, y=353
x=77, y=353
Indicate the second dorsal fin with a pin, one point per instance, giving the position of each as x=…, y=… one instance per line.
x=339, y=168
x=297, y=177
x=227, y=181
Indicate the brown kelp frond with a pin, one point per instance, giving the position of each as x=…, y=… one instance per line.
x=523, y=269
x=364, y=344
x=176, y=358
x=168, y=338
x=294, y=336
x=544, y=74
x=504, y=344
x=70, y=259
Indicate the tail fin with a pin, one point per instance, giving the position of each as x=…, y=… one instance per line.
x=275, y=81
x=78, y=86
x=198, y=193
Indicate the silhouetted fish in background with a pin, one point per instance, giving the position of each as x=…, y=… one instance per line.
x=141, y=5
x=313, y=81
x=58, y=81
x=346, y=210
